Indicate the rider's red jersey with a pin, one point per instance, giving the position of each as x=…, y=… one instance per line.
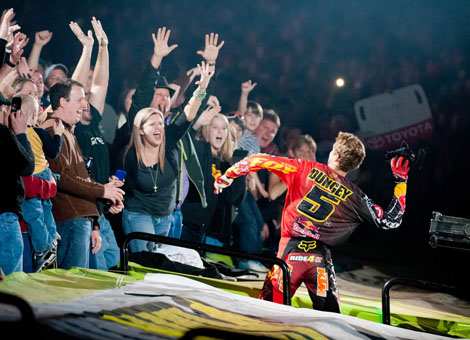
x=320, y=204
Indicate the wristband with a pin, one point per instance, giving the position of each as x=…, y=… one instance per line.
x=9, y=63
x=199, y=96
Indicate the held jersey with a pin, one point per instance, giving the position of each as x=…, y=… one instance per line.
x=320, y=204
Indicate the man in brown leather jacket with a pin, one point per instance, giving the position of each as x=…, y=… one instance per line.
x=74, y=206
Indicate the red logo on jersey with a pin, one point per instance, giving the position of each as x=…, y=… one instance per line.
x=305, y=228
x=379, y=211
x=402, y=201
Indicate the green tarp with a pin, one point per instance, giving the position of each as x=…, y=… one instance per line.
x=57, y=285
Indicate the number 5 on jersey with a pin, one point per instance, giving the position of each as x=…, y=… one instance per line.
x=318, y=204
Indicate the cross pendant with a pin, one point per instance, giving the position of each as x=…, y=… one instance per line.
x=154, y=188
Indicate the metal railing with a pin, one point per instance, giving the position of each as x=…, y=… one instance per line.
x=427, y=285
x=124, y=265
x=27, y=323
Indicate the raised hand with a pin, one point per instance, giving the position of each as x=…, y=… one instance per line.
x=23, y=69
x=160, y=43
x=99, y=32
x=19, y=121
x=400, y=168
x=208, y=114
x=42, y=38
x=86, y=40
x=5, y=23
x=192, y=73
x=248, y=86
x=211, y=50
x=206, y=76
x=11, y=31
x=6, y=87
x=19, y=42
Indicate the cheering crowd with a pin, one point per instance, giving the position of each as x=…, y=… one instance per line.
x=77, y=166
x=80, y=172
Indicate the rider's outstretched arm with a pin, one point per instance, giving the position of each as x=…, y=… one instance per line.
x=391, y=217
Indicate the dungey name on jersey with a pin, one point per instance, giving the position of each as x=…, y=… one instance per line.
x=331, y=186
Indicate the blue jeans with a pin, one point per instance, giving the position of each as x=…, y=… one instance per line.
x=74, y=247
x=37, y=214
x=108, y=255
x=249, y=224
x=11, y=243
x=137, y=222
x=176, y=224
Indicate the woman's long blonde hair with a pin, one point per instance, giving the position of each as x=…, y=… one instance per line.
x=137, y=140
x=230, y=144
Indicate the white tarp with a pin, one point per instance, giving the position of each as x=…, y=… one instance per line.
x=387, y=119
x=168, y=306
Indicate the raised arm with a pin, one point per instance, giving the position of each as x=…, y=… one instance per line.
x=7, y=29
x=41, y=39
x=206, y=70
x=211, y=50
x=281, y=166
x=177, y=89
x=391, y=217
x=145, y=89
x=16, y=45
x=5, y=23
x=83, y=67
x=160, y=46
x=213, y=107
x=199, y=94
x=247, y=87
x=99, y=84
x=18, y=125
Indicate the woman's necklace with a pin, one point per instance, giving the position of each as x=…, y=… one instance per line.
x=154, y=179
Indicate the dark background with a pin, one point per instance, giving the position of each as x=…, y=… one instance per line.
x=295, y=50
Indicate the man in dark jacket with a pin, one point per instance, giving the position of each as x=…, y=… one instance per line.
x=17, y=151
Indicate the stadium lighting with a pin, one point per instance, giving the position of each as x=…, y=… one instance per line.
x=340, y=82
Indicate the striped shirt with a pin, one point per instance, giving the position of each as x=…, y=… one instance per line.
x=249, y=142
